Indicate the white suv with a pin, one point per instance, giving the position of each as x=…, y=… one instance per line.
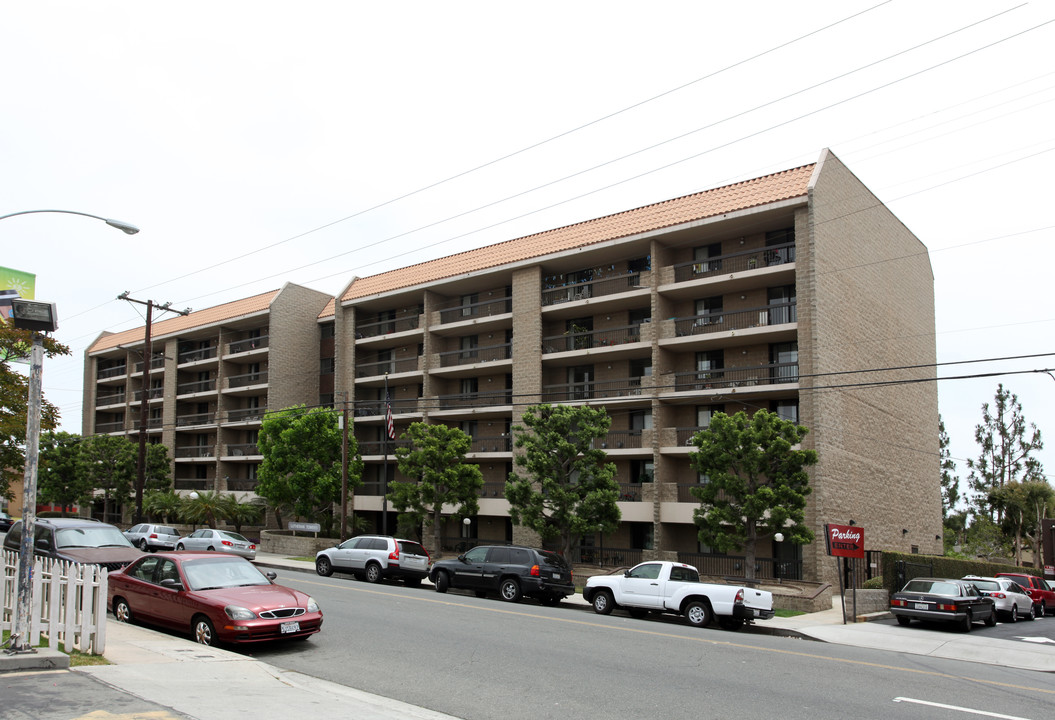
x=375, y=557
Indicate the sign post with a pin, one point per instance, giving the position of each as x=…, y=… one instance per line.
x=847, y=542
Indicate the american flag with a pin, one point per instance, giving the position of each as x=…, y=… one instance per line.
x=390, y=426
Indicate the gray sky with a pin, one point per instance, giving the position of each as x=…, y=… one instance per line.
x=261, y=142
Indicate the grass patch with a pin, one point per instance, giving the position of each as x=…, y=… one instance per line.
x=80, y=659
x=787, y=613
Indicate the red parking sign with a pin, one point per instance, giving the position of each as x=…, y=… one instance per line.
x=845, y=540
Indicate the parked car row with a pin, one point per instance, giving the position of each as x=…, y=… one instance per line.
x=149, y=538
x=972, y=599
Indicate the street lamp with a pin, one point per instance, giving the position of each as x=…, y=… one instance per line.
x=38, y=317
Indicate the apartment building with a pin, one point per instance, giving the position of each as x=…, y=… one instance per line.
x=792, y=292
x=212, y=375
x=798, y=292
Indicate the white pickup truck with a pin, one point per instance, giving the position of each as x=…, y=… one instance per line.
x=671, y=587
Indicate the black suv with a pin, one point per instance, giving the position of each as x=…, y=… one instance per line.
x=79, y=540
x=511, y=571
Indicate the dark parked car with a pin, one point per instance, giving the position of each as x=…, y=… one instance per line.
x=510, y=571
x=215, y=597
x=6, y=521
x=1036, y=588
x=942, y=600
x=79, y=540
x=374, y=557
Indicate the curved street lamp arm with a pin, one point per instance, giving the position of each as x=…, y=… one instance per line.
x=124, y=227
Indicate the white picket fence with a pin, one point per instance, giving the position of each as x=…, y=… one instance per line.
x=68, y=603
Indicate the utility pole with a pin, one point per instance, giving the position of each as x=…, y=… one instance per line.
x=148, y=359
x=344, y=466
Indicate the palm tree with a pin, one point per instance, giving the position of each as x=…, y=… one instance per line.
x=163, y=504
x=202, y=507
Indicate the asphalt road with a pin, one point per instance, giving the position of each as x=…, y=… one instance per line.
x=482, y=658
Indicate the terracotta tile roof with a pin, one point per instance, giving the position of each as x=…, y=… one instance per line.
x=330, y=310
x=730, y=198
x=183, y=323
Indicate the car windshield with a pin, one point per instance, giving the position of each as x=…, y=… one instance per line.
x=933, y=587
x=232, y=536
x=90, y=537
x=987, y=585
x=221, y=572
x=162, y=530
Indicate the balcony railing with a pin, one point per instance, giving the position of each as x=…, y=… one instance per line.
x=456, y=311
x=158, y=362
x=196, y=451
x=241, y=484
x=606, y=557
x=377, y=407
x=609, y=285
x=376, y=447
x=733, y=566
x=112, y=399
x=189, y=356
x=619, y=439
x=470, y=356
x=111, y=372
x=152, y=394
x=773, y=374
x=245, y=415
x=247, y=379
x=373, y=369
x=493, y=490
x=196, y=387
x=502, y=443
x=591, y=390
x=585, y=339
x=386, y=327
x=721, y=321
x=735, y=262
x=195, y=419
x=109, y=427
x=193, y=484
x=242, y=449
x=241, y=346
x=472, y=400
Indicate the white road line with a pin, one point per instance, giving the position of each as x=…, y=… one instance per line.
x=961, y=709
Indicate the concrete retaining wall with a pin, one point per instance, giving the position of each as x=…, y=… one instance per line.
x=284, y=542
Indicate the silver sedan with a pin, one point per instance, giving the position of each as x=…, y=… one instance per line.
x=218, y=540
x=1011, y=599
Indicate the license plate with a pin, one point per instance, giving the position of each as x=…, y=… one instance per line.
x=556, y=576
x=289, y=627
x=921, y=606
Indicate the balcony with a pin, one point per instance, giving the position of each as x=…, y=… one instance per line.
x=391, y=367
x=500, y=443
x=378, y=447
x=389, y=326
x=242, y=449
x=591, y=390
x=735, y=262
x=195, y=419
x=111, y=372
x=471, y=356
x=152, y=394
x=197, y=355
x=721, y=321
x=241, y=484
x=195, y=451
x=457, y=312
x=247, y=345
x=733, y=377
x=235, y=382
x=619, y=439
x=246, y=415
x=109, y=427
x=586, y=339
x=111, y=399
x=377, y=407
x=610, y=285
x=475, y=400
x=196, y=387
x=155, y=364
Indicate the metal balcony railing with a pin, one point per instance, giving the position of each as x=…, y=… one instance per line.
x=152, y=394
x=456, y=311
x=189, y=356
x=585, y=339
x=195, y=419
x=619, y=439
x=591, y=390
x=735, y=262
x=241, y=346
x=609, y=285
x=498, y=443
x=110, y=372
x=386, y=327
x=373, y=369
x=196, y=451
x=772, y=374
x=377, y=407
x=193, y=484
x=158, y=362
x=606, y=557
x=241, y=484
x=722, y=321
x=470, y=356
x=241, y=449
x=112, y=399
x=247, y=379
x=196, y=387
x=245, y=415
x=377, y=447
x=471, y=400
x=109, y=427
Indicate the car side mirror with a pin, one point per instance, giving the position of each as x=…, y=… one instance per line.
x=626, y=573
x=462, y=558
x=42, y=543
x=271, y=575
x=171, y=584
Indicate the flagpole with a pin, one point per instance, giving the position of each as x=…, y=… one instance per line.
x=384, y=485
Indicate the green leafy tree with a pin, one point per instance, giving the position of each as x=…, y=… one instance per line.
x=108, y=464
x=567, y=489
x=1023, y=505
x=60, y=480
x=159, y=470
x=163, y=505
x=757, y=483
x=436, y=462
x=985, y=539
x=950, y=482
x=239, y=512
x=14, y=401
x=302, y=463
x=1007, y=447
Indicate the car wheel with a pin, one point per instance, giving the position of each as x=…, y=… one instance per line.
x=698, y=614
x=323, y=566
x=179, y=546
x=122, y=612
x=904, y=621
x=373, y=573
x=143, y=544
x=510, y=590
x=991, y=620
x=211, y=549
x=203, y=631
x=965, y=624
x=1043, y=608
x=1032, y=614
x=603, y=603
x=1013, y=615
x=442, y=582
x=728, y=623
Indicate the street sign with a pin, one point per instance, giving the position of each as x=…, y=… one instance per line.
x=304, y=527
x=845, y=540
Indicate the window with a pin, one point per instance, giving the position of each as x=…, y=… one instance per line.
x=648, y=571
x=639, y=317
x=704, y=413
x=788, y=410
x=642, y=471
x=641, y=420
x=702, y=256
x=327, y=366
x=709, y=366
x=782, y=305
x=468, y=347
x=708, y=311
x=145, y=570
x=468, y=304
x=470, y=386
x=328, y=331
x=784, y=358
x=641, y=368
x=579, y=381
x=779, y=255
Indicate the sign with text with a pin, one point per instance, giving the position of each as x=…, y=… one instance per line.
x=304, y=527
x=845, y=540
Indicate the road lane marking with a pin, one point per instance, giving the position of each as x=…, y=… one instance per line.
x=707, y=641
x=972, y=711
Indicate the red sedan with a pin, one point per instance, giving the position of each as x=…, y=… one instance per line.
x=214, y=596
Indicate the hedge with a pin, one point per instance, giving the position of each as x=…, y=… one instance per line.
x=946, y=567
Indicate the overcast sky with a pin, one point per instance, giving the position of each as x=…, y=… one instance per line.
x=256, y=143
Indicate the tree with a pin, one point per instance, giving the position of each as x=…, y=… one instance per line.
x=950, y=482
x=1006, y=452
x=108, y=463
x=158, y=470
x=1023, y=505
x=567, y=490
x=61, y=480
x=302, y=463
x=436, y=462
x=203, y=509
x=756, y=483
x=984, y=539
x=238, y=512
x=162, y=504
x=14, y=401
